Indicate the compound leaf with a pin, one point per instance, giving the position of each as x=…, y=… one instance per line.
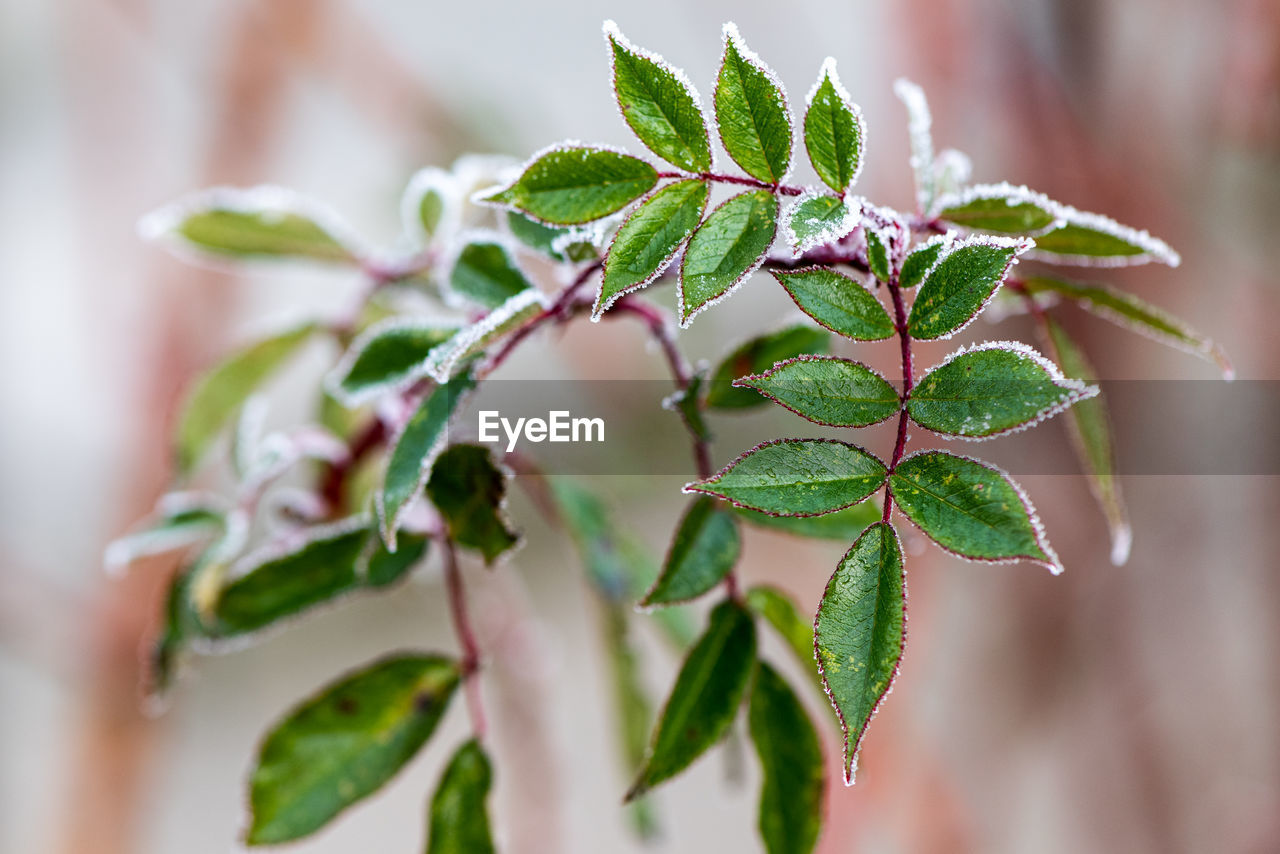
x=469, y=491
x=827, y=390
x=575, y=185
x=703, y=551
x=961, y=284
x=837, y=302
x=833, y=131
x=459, y=820
x=790, y=754
x=756, y=355
x=725, y=250
x=751, y=110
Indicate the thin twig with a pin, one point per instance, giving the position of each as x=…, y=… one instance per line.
x=470, y=663
x=780, y=189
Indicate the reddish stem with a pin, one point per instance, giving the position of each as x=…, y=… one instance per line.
x=780, y=189
x=900, y=446
x=560, y=309
x=470, y=663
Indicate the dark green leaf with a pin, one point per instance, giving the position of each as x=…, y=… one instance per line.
x=860, y=631
x=827, y=390
x=649, y=240
x=469, y=491
x=797, y=477
x=970, y=509
x=571, y=186
x=536, y=235
x=755, y=123
x=1089, y=238
x=703, y=551
x=833, y=131
x=485, y=274
x=837, y=302
x=345, y=743
x=843, y=525
x=459, y=822
x=659, y=104
x=386, y=357
x=877, y=253
x=725, y=250
x=920, y=259
x=705, y=698
x=959, y=286
x=1001, y=208
x=791, y=759
x=756, y=355
x=817, y=219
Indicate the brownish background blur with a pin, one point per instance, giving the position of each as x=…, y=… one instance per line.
x=1128, y=710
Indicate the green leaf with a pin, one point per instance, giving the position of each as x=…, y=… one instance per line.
x=920, y=260
x=781, y=612
x=797, y=477
x=842, y=525
x=571, y=186
x=725, y=250
x=961, y=284
x=250, y=224
x=756, y=355
x=415, y=449
x=1091, y=435
x=469, y=491
x=345, y=743
x=791, y=758
x=218, y=393
x=445, y=360
x=877, y=254
x=837, y=302
x=660, y=104
x=992, y=388
x=833, y=131
x=632, y=705
x=181, y=519
x=485, y=274
x=755, y=123
x=817, y=219
x=1001, y=208
x=704, y=550
x=688, y=402
x=706, y=696
x=1093, y=239
x=650, y=239
x=388, y=356
x=459, y=822
x=860, y=631
x=827, y=390
x=536, y=235
x=970, y=509
x=1130, y=312
x=427, y=202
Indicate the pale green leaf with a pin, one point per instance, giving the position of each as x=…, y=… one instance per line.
x=781, y=612
x=445, y=360
x=388, y=356
x=842, y=525
x=818, y=219
x=999, y=208
x=877, y=253
x=485, y=274
x=1096, y=240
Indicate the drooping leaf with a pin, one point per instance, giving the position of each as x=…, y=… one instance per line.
x=752, y=113
x=387, y=357
x=575, y=185
x=485, y=274
x=1132, y=313
x=469, y=491
x=703, y=551
x=816, y=219
x=919, y=128
x=971, y=509
x=1001, y=208
x=833, y=131
x=727, y=248
x=827, y=390
x=837, y=302
x=1096, y=240
x=345, y=743
x=415, y=449
x=781, y=612
x=706, y=696
x=181, y=519
x=920, y=260
x=790, y=754
x=459, y=819
x=756, y=355
x=219, y=393
x=649, y=240
x=992, y=388
x=446, y=359
x=859, y=633
x=797, y=477
x=660, y=104
x=877, y=253
x=961, y=284
x=843, y=525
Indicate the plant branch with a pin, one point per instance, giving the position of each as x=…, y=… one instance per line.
x=470, y=663
x=721, y=178
x=561, y=309
x=900, y=323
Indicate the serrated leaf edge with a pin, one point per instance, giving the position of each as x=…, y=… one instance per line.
x=732, y=37
x=333, y=378
x=736, y=283
x=852, y=206
x=744, y=382
x=827, y=71
x=781, y=277
x=1020, y=245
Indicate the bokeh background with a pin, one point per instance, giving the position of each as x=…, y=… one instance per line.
x=1124, y=709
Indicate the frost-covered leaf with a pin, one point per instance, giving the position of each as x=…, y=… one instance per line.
x=790, y=755
x=459, y=819
x=727, y=248
x=919, y=127
x=413, y=452
x=961, y=283
x=445, y=360
x=706, y=696
x=752, y=112
x=837, y=302
x=833, y=131
x=971, y=509
x=827, y=390
x=536, y=235
x=797, y=477
x=469, y=491
x=859, y=633
x=703, y=551
x=1091, y=432
x=484, y=273
x=756, y=355
x=577, y=184
x=1096, y=240
x=180, y=519
x=249, y=224
x=781, y=612
x=992, y=388
x=429, y=205
x=920, y=260
x=649, y=240
x=1132, y=313
x=816, y=219
x=1001, y=208
x=659, y=103
x=842, y=525
x=388, y=356
x=218, y=393
x=877, y=253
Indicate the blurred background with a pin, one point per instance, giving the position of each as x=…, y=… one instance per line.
x=1123, y=709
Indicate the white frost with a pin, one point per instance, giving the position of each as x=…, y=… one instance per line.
x=354, y=399
x=852, y=212
x=1012, y=195
x=828, y=71
x=919, y=127
x=1153, y=248
x=733, y=37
